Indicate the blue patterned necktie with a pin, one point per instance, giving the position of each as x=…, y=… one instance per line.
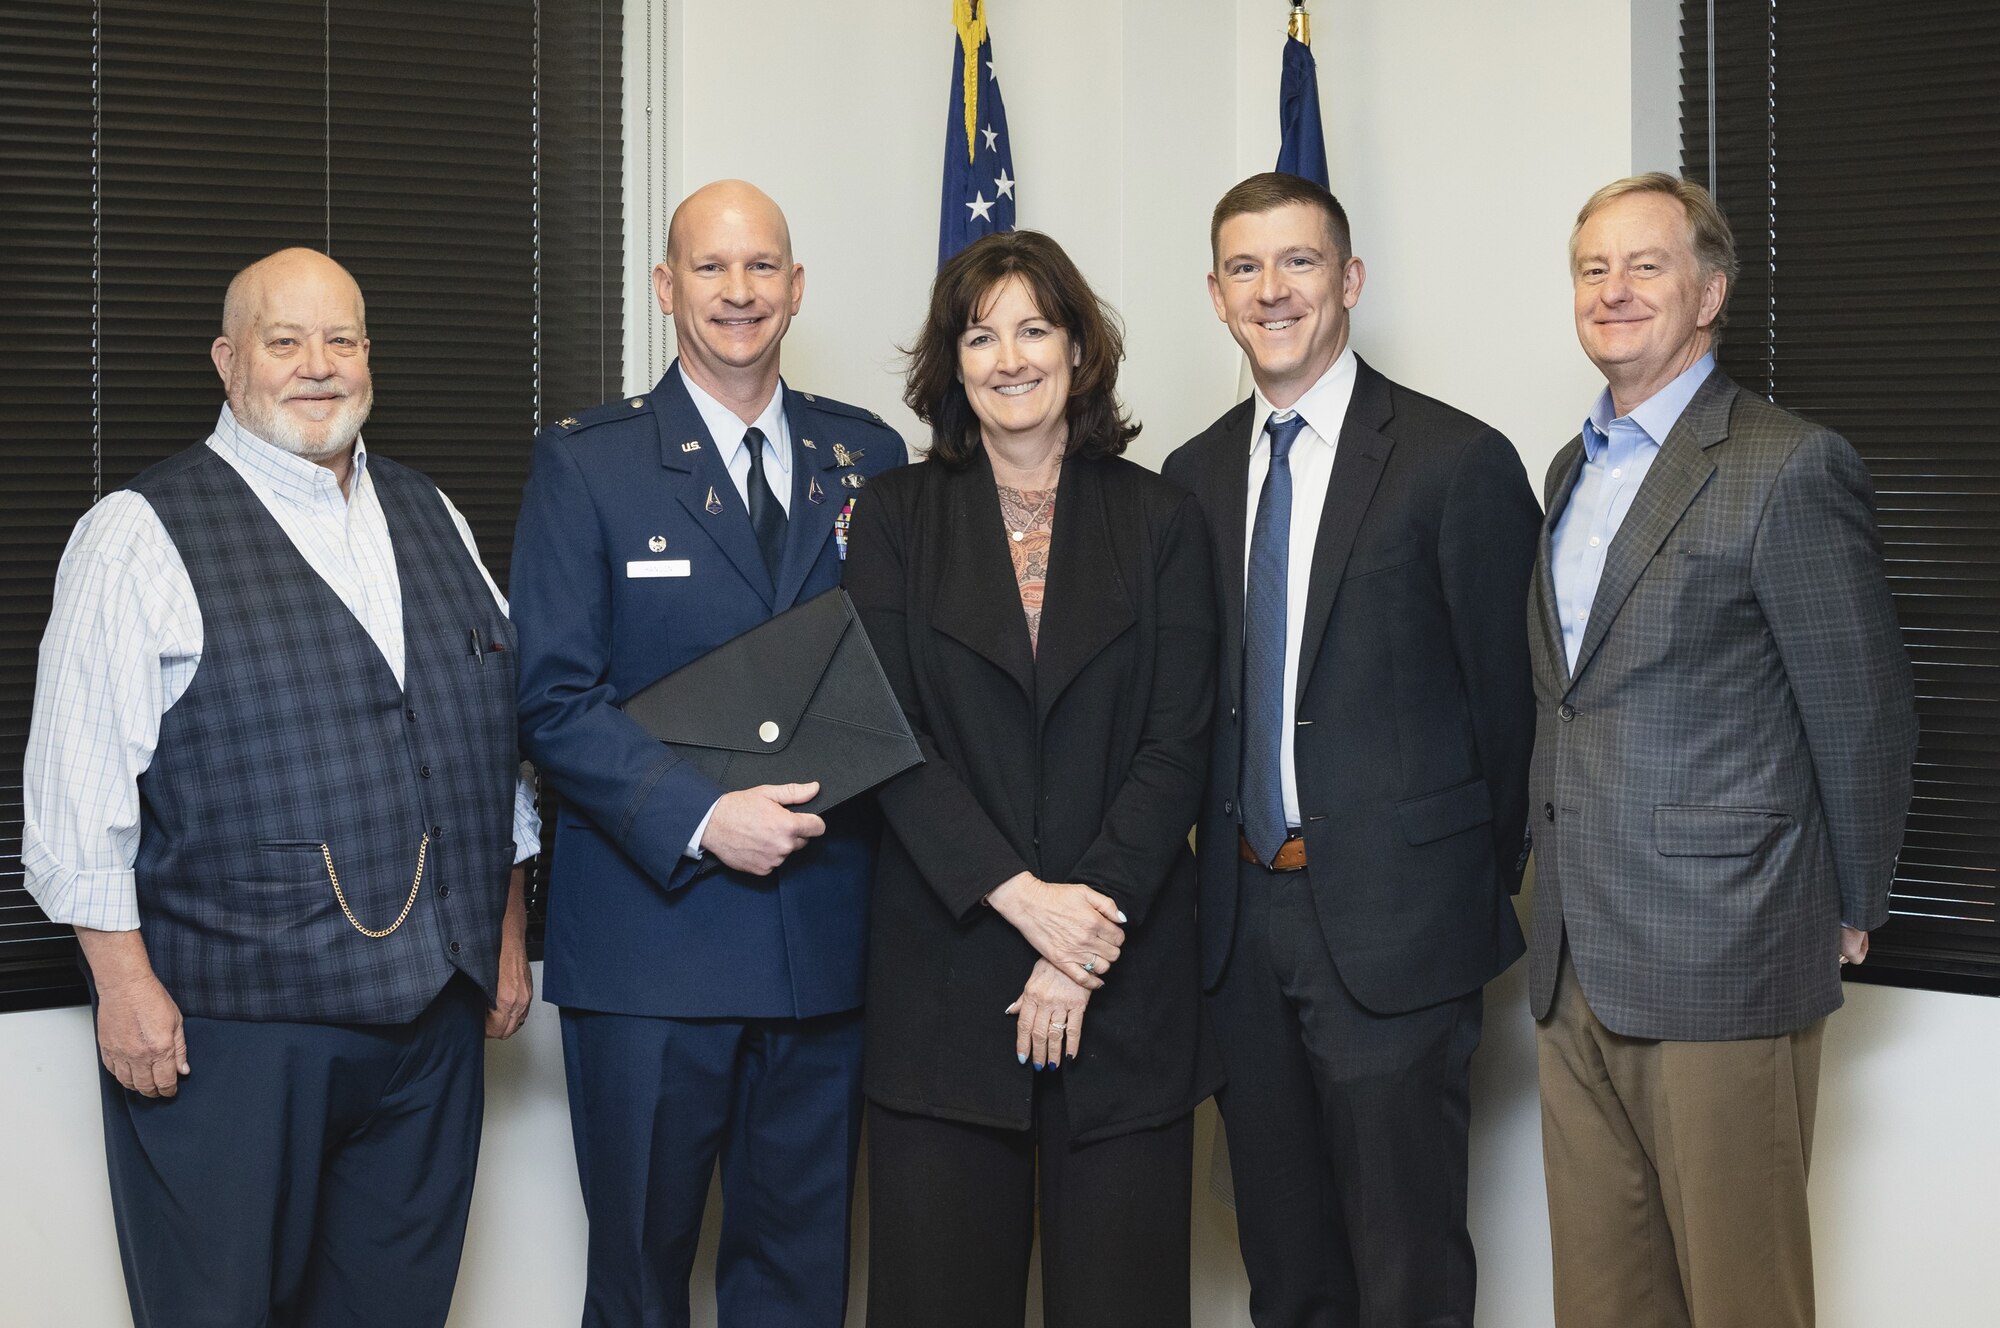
x=1262, y=789
x=767, y=514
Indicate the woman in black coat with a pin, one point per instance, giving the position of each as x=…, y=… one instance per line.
x=1045, y=613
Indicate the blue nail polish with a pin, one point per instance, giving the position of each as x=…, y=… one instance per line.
x=1056, y=1063
x=1020, y=1058
x=1038, y=1066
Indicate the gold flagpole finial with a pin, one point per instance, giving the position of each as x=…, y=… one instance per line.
x=969, y=17
x=1301, y=25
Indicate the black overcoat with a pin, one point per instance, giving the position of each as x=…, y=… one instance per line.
x=1082, y=762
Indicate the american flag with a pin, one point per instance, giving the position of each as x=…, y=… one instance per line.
x=978, y=194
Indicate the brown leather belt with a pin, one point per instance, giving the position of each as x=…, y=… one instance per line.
x=1291, y=858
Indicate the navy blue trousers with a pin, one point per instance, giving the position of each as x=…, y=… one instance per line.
x=653, y=1103
x=306, y=1176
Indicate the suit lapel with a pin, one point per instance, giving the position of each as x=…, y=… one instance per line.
x=815, y=503
x=978, y=600
x=1087, y=607
x=1676, y=476
x=1570, y=460
x=1229, y=486
x=1358, y=462
x=702, y=476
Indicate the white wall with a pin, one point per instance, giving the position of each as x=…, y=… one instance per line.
x=1461, y=136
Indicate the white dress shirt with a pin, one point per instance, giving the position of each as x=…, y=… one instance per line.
x=726, y=427
x=1324, y=407
x=123, y=643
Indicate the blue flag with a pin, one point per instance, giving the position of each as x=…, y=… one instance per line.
x=1303, y=149
x=978, y=160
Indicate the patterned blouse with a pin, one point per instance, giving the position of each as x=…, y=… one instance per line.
x=1029, y=515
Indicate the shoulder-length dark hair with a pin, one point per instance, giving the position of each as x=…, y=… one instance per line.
x=1098, y=425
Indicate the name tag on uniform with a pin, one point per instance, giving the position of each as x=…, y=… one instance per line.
x=657, y=567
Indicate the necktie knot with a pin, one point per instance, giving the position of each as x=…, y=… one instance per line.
x=1284, y=429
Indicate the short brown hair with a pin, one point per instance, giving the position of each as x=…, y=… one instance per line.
x=1269, y=192
x=1709, y=236
x=1098, y=426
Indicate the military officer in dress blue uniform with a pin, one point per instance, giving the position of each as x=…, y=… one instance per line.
x=705, y=947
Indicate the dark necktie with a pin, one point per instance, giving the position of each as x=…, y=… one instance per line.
x=1262, y=789
x=767, y=514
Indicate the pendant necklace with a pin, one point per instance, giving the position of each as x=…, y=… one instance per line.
x=1034, y=518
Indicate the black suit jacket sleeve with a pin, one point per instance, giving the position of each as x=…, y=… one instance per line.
x=1147, y=823
x=956, y=846
x=1487, y=541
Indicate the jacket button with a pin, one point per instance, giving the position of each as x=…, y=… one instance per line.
x=1232, y=712
x=412, y=714
x=424, y=771
x=454, y=947
x=1548, y=811
x=444, y=892
x=1228, y=807
x=1566, y=713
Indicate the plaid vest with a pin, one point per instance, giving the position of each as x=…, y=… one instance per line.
x=294, y=745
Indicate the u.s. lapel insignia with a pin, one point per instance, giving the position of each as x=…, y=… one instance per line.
x=691, y=445
x=814, y=492
x=843, y=457
x=567, y=422
x=714, y=504
x=854, y=479
x=807, y=442
x=658, y=544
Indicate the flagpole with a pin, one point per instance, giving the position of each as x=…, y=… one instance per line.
x=1299, y=24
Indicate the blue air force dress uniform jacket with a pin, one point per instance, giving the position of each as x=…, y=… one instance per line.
x=635, y=556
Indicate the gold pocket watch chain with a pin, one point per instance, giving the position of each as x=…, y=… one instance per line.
x=408, y=904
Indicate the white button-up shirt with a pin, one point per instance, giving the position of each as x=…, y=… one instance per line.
x=1324, y=407
x=123, y=643
x=727, y=429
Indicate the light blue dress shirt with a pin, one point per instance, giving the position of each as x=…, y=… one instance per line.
x=1617, y=453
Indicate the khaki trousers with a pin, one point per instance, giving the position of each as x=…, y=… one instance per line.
x=1676, y=1174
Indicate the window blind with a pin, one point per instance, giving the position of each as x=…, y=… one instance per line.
x=1857, y=155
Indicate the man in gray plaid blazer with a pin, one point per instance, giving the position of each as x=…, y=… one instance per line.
x=1724, y=738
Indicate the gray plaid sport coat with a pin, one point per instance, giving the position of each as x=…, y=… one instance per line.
x=1722, y=780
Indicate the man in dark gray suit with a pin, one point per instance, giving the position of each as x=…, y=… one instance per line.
x=1724, y=737
x=1361, y=834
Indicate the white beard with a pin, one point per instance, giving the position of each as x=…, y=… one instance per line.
x=280, y=429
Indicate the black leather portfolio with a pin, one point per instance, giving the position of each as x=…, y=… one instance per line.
x=798, y=698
